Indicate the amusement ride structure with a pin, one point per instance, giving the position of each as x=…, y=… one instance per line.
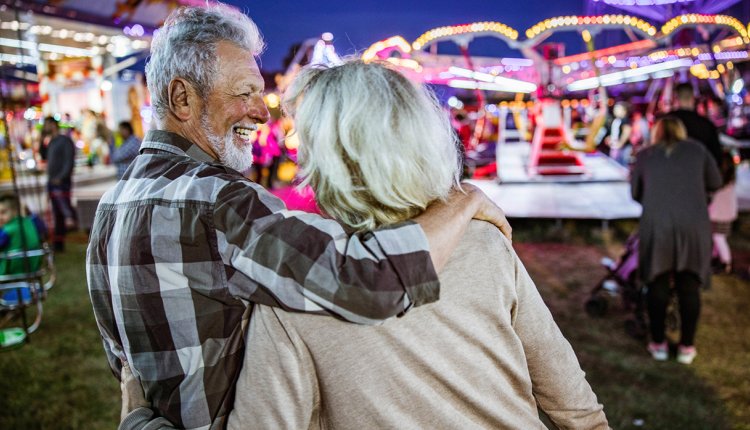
x=657, y=43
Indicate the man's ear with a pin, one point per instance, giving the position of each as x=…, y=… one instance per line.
x=181, y=95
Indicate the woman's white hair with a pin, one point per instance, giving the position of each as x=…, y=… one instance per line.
x=376, y=148
x=185, y=47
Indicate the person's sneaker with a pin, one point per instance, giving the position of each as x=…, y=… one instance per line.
x=659, y=351
x=686, y=354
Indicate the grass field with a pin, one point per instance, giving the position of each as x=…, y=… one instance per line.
x=61, y=379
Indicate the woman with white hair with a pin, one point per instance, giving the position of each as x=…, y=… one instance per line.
x=377, y=150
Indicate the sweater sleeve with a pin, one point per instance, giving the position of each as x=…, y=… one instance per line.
x=278, y=385
x=559, y=384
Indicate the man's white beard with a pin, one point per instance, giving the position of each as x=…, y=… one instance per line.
x=239, y=159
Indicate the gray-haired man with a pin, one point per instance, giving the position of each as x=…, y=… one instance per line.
x=183, y=242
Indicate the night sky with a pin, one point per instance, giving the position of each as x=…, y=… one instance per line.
x=357, y=24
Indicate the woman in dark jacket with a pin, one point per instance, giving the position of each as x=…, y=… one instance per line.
x=672, y=179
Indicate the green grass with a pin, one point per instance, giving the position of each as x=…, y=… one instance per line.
x=60, y=380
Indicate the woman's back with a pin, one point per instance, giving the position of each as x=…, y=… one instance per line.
x=481, y=357
x=673, y=185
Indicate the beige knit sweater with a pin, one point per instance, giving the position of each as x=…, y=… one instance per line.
x=484, y=356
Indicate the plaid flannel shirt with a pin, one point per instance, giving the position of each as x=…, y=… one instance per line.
x=181, y=245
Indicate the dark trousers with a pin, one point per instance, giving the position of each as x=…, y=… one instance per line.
x=687, y=285
x=62, y=209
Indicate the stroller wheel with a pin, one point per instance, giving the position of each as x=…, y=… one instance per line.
x=596, y=306
x=635, y=328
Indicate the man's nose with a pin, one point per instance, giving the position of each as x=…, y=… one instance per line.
x=259, y=111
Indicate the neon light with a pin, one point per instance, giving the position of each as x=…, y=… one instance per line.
x=575, y=21
x=494, y=82
x=392, y=42
x=521, y=62
x=633, y=46
x=694, y=19
x=630, y=75
x=487, y=86
x=406, y=63
x=478, y=27
x=642, y=2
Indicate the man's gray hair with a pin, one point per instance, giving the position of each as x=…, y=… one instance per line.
x=185, y=47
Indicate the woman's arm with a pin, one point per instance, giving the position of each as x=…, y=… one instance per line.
x=558, y=383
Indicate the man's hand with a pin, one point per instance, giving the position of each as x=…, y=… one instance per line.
x=444, y=223
x=132, y=393
x=487, y=210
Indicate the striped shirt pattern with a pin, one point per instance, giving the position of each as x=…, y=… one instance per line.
x=182, y=244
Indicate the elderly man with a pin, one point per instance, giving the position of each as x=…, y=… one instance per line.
x=183, y=242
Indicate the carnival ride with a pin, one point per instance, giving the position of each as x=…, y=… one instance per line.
x=687, y=46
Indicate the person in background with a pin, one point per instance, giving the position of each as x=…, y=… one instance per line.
x=619, y=135
x=698, y=127
x=60, y=163
x=485, y=356
x=18, y=233
x=723, y=211
x=641, y=135
x=672, y=180
x=123, y=155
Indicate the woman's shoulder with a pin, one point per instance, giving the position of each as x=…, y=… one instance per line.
x=483, y=245
x=693, y=145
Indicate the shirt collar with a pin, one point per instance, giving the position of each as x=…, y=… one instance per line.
x=175, y=144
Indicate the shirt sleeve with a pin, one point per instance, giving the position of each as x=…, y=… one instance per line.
x=559, y=384
x=304, y=262
x=277, y=372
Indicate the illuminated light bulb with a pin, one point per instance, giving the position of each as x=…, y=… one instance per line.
x=651, y=31
x=730, y=65
x=566, y=69
x=606, y=19
x=272, y=100
x=695, y=52
x=587, y=20
x=720, y=68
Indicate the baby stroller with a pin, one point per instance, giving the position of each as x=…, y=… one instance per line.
x=622, y=279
